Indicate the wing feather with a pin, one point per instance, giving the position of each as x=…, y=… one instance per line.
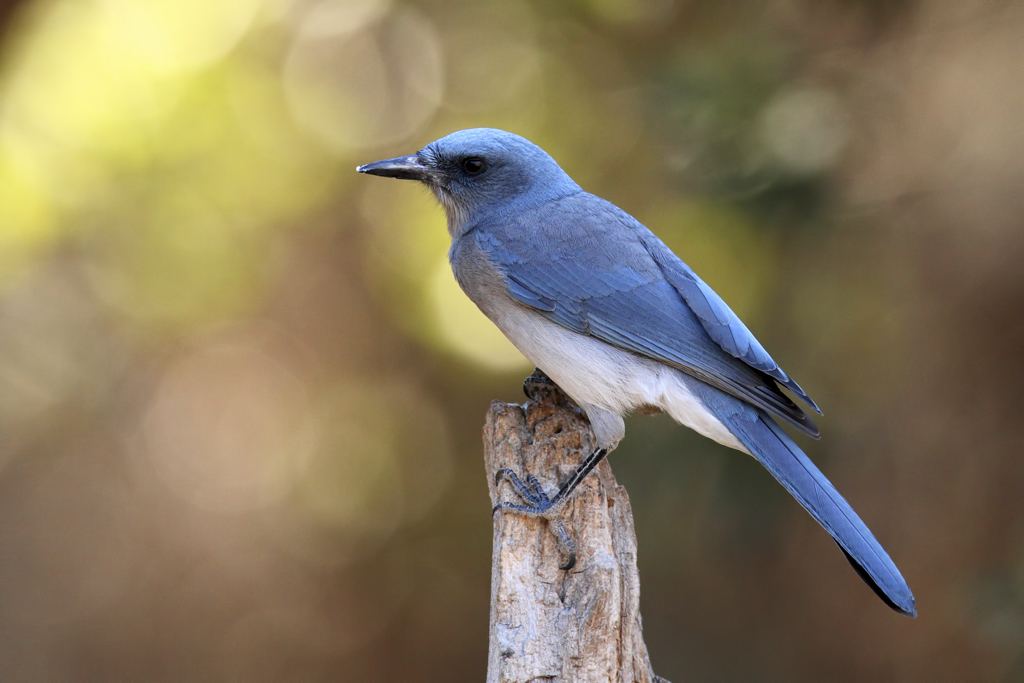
x=604, y=274
x=719, y=321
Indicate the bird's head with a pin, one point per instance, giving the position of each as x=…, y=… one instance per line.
x=480, y=170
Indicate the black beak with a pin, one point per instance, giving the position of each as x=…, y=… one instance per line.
x=405, y=168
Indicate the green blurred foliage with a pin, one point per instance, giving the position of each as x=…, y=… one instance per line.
x=241, y=392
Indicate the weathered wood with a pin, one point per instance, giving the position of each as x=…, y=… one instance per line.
x=576, y=626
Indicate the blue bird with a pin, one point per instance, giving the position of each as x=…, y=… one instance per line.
x=598, y=303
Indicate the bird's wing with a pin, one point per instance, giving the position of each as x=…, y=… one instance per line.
x=589, y=272
x=718, y=320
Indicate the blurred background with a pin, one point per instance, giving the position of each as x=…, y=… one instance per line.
x=241, y=395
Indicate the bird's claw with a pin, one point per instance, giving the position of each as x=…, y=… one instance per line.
x=569, y=563
x=536, y=382
x=548, y=507
x=539, y=505
x=565, y=542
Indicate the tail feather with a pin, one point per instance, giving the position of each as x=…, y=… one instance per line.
x=783, y=458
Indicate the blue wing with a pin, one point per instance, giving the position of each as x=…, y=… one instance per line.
x=590, y=267
x=787, y=463
x=718, y=320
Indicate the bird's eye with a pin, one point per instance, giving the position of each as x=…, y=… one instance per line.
x=473, y=165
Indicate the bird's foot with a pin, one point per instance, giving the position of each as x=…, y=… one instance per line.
x=539, y=504
x=536, y=383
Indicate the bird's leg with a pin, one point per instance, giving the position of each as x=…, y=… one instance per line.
x=540, y=505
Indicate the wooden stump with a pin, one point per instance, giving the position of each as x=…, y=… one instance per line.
x=581, y=625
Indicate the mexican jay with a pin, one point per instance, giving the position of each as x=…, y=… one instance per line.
x=597, y=302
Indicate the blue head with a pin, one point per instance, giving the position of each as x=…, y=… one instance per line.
x=480, y=171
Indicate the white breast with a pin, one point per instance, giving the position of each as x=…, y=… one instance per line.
x=597, y=374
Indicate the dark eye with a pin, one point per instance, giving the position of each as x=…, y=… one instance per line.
x=473, y=165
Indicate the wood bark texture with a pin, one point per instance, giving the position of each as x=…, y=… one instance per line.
x=576, y=626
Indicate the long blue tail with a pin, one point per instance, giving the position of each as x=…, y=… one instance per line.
x=776, y=451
